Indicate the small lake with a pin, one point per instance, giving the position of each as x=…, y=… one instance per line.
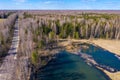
x=68, y=66
x=101, y=56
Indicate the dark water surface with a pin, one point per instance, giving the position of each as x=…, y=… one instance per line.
x=68, y=66
x=102, y=56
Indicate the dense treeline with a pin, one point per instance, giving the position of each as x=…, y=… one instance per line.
x=38, y=31
x=82, y=26
x=33, y=41
x=6, y=30
x=35, y=37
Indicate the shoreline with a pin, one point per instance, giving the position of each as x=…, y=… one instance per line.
x=99, y=70
x=113, y=47
x=96, y=67
x=105, y=75
x=109, y=45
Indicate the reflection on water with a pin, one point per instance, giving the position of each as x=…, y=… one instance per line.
x=68, y=66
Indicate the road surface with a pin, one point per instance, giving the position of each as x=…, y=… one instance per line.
x=7, y=69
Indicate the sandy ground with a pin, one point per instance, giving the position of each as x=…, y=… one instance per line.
x=113, y=76
x=110, y=45
x=1, y=20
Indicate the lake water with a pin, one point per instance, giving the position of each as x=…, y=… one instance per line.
x=102, y=56
x=68, y=66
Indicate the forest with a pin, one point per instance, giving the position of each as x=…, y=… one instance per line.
x=7, y=20
x=40, y=31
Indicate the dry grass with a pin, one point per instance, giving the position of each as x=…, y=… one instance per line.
x=110, y=45
x=113, y=76
x=1, y=20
